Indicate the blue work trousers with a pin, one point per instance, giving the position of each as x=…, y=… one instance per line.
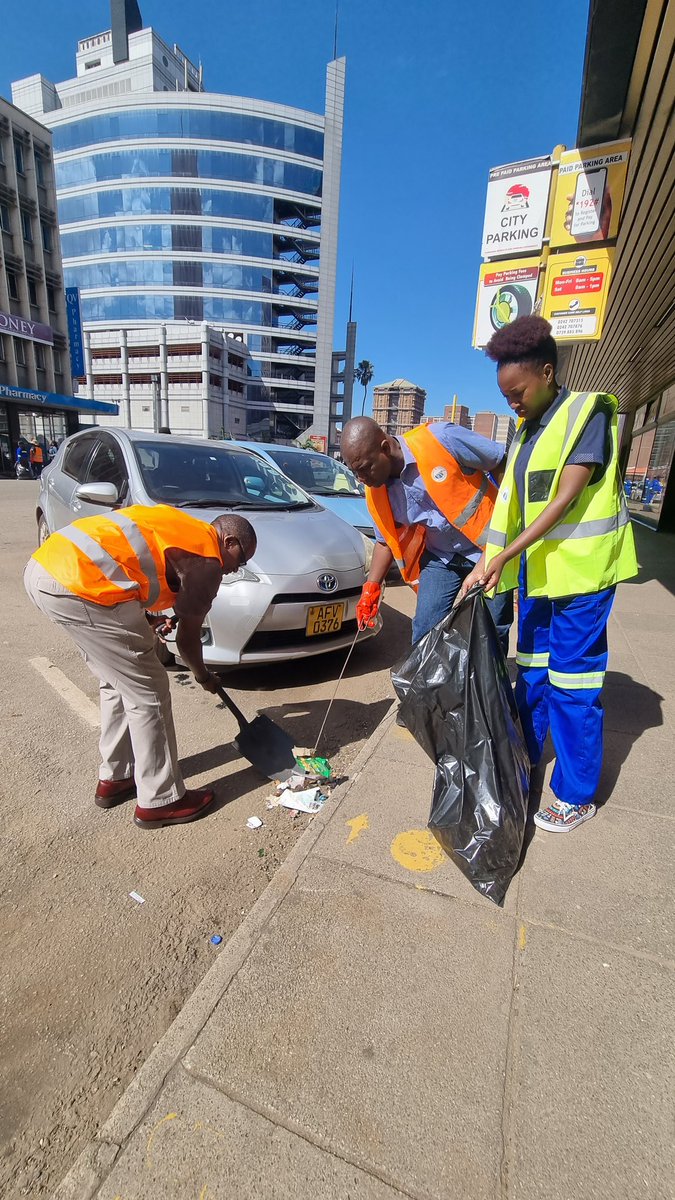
x=562, y=658
x=439, y=584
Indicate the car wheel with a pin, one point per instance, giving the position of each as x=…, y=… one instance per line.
x=164, y=655
x=43, y=529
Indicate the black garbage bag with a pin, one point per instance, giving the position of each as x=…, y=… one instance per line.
x=458, y=703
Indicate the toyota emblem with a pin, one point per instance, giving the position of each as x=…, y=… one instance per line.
x=327, y=583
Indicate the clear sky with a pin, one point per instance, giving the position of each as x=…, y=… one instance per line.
x=438, y=91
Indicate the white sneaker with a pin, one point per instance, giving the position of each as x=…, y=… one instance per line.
x=559, y=817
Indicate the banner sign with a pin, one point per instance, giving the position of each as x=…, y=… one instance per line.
x=589, y=194
x=515, y=209
x=506, y=290
x=575, y=294
x=21, y=327
x=77, y=368
x=55, y=400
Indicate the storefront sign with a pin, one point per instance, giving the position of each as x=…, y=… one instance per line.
x=21, y=327
x=506, y=290
x=55, y=400
x=575, y=294
x=77, y=369
x=515, y=209
x=589, y=194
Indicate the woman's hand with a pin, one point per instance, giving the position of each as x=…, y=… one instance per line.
x=488, y=577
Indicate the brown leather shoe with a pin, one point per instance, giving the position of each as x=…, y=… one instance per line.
x=110, y=792
x=191, y=806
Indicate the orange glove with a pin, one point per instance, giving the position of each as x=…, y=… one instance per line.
x=368, y=605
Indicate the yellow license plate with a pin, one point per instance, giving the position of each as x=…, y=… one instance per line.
x=324, y=618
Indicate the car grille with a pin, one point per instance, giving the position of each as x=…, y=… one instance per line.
x=315, y=597
x=278, y=639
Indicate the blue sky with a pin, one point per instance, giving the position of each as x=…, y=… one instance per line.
x=438, y=91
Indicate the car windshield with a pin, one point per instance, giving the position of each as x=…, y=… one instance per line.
x=317, y=473
x=189, y=474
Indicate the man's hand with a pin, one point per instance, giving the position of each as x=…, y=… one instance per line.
x=209, y=682
x=161, y=623
x=368, y=605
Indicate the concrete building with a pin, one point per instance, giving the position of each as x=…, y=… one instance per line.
x=398, y=406
x=35, y=383
x=342, y=388
x=190, y=379
x=485, y=424
x=505, y=431
x=628, y=90
x=200, y=207
x=457, y=414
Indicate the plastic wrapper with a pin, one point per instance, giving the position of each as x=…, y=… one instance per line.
x=458, y=703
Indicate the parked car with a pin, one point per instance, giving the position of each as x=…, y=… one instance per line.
x=329, y=481
x=296, y=597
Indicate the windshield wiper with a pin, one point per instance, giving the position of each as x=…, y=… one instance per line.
x=246, y=505
x=330, y=492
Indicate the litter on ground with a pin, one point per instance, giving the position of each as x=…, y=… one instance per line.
x=253, y=823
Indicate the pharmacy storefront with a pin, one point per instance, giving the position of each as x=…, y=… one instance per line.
x=46, y=417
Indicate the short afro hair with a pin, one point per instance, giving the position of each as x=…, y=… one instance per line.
x=525, y=340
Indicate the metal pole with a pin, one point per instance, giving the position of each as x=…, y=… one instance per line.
x=155, y=403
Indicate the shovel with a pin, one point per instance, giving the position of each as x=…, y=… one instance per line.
x=266, y=746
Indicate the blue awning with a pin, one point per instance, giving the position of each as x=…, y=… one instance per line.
x=55, y=400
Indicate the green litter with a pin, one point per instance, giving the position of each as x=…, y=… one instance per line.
x=315, y=766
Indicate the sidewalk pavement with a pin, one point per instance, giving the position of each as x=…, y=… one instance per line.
x=376, y=1029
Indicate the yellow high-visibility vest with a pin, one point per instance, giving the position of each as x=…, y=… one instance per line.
x=592, y=547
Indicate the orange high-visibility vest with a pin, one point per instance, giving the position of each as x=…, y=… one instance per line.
x=120, y=555
x=465, y=500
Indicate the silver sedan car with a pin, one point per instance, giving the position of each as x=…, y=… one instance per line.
x=296, y=597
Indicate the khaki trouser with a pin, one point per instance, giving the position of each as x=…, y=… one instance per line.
x=118, y=645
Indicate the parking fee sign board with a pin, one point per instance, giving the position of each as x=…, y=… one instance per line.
x=515, y=209
x=589, y=194
x=506, y=290
x=575, y=294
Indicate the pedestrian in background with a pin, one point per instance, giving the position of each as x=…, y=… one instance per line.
x=561, y=533
x=36, y=459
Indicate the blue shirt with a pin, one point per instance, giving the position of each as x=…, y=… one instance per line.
x=592, y=447
x=411, y=503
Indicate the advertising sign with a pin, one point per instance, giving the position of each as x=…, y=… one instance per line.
x=506, y=290
x=77, y=368
x=21, y=327
x=319, y=442
x=589, y=194
x=515, y=209
x=575, y=294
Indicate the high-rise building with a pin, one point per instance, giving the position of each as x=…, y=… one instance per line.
x=458, y=414
x=506, y=428
x=398, y=406
x=485, y=424
x=35, y=385
x=181, y=205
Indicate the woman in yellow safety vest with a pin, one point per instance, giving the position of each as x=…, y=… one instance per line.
x=560, y=532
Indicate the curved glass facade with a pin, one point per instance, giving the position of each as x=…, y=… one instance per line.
x=120, y=239
x=193, y=164
x=92, y=206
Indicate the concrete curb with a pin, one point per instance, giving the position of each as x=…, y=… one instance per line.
x=89, y=1171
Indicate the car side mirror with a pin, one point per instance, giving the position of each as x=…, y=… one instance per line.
x=97, y=493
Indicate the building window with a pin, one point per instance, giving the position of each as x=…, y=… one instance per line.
x=39, y=356
x=18, y=157
x=4, y=219
x=26, y=226
x=58, y=362
x=20, y=352
x=12, y=285
x=32, y=292
x=51, y=299
x=46, y=235
x=95, y=62
x=40, y=169
x=2, y=348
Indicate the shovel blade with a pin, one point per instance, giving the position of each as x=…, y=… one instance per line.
x=266, y=746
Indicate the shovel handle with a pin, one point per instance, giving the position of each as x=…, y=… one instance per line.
x=232, y=707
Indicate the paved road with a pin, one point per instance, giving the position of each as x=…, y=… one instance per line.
x=94, y=978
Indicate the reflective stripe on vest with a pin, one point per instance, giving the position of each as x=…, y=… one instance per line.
x=142, y=551
x=100, y=557
x=575, y=682
x=472, y=507
x=588, y=528
x=540, y=659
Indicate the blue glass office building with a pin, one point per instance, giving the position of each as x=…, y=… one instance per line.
x=176, y=204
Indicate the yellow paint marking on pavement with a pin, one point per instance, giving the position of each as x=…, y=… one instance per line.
x=357, y=826
x=522, y=936
x=203, y=1195
x=417, y=850
x=153, y=1133
x=72, y=695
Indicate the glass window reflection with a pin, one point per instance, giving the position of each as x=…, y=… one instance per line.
x=141, y=201
x=116, y=239
x=200, y=164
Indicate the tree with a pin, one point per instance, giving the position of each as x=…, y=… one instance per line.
x=363, y=374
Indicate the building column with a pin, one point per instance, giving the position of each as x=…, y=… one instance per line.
x=164, y=418
x=206, y=432
x=88, y=370
x=126, y=394
x=330, y=208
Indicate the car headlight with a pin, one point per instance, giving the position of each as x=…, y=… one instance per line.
x=243, y=575
x=369, y=547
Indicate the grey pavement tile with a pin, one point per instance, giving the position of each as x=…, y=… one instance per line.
x=631, y=706
x=382, y=827
x=374, y=1017
x=637, y=771
x=612, y=879
x=591, y=1100
x=195, y=1143
x=399, y=746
